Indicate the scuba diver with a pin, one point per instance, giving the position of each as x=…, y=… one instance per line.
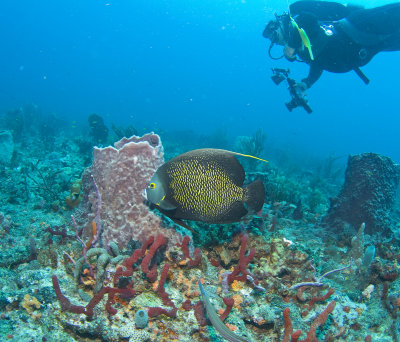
x=334, y=37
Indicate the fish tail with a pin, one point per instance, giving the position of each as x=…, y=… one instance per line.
x=255, y=195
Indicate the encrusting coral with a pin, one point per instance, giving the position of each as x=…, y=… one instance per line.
x=29, y=303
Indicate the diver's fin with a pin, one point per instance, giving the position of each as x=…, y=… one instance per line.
x=323, y=10
x=255, y=195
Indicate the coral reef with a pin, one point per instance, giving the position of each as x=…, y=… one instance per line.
x=117, y=271
x=122, y=132
x=251, y=145
x=75, y=195
x=6, y=147
x=98, y=130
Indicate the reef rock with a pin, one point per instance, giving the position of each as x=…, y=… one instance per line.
x=122, y=173
x=368, y=194
x=6, y=147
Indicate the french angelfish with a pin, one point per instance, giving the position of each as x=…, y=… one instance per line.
x=205, y=185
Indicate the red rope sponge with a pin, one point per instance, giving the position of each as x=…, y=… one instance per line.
x=127, y=269
x=229, y=304
x=156, y=311
x=243, y=263
x=320, y=320
x=152, y=274
x=288, y=325
x=88, y=309
x=196, y=260
x=198, y=309
x=64, y=301
x=313, y=300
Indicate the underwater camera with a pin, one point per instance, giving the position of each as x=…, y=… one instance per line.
x=298, y=95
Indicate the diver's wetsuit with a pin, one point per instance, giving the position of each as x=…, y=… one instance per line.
x=343, y=38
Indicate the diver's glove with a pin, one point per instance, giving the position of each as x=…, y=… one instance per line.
x=300, y=89
x=303, y=85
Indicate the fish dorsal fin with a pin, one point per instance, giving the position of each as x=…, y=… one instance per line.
x=246, y=156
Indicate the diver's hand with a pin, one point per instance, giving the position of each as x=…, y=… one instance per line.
x=290, y=53
x=300, y=89
x=302, y=86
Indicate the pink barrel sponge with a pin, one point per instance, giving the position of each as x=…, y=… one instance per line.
x=122, y=173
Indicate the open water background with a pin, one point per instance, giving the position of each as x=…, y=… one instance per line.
x=187, y=65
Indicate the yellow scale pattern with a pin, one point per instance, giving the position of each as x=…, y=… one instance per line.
x=203, y=189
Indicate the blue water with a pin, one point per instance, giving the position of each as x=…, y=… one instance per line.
x=187, y=69
x=193, y=64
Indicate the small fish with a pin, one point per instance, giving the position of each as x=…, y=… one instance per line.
x=216, y=321
x=304, y=38
x=205, y=185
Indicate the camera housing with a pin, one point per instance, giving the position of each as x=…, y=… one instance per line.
x=298, y=95
x=279, y=75
x=294, y=103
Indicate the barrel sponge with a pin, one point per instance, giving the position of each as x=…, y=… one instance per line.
x=141, y=319
x=368, y=194
x=122, y=173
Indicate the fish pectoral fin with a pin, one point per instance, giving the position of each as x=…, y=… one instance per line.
x=165, y=205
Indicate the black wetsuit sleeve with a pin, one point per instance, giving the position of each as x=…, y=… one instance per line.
x=313, y=75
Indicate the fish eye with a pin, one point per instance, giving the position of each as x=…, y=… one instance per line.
x=152, y=186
